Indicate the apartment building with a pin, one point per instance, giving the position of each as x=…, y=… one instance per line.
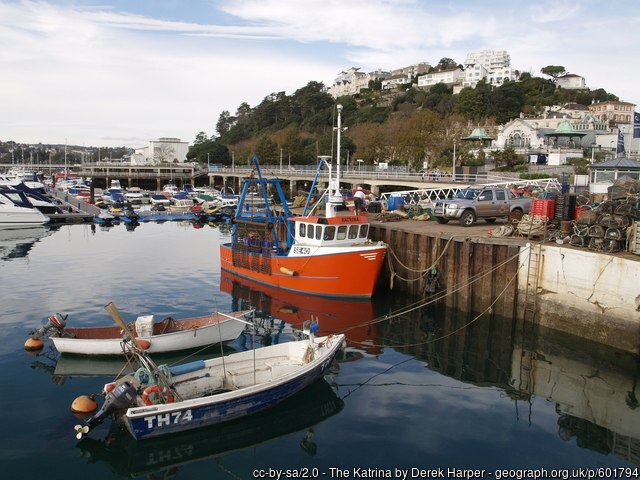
x=351, y=81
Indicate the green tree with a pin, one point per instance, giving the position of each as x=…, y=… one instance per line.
x=267, y=151
x=209, y=151
x=200, y=138
x=225, y=121
x=446, y=63
x=554, y=71
x=470, y=104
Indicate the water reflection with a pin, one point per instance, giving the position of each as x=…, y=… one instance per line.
x=593, y=386
x=334, y=316
x=18, y=242
x=63, y=366
x=164, y=456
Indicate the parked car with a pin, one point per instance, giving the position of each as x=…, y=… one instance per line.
x=475, y=202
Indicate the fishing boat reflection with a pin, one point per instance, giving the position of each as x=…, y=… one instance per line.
x=164, y=456
x=352, y=317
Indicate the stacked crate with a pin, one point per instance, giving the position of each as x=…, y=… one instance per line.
x=543, y=207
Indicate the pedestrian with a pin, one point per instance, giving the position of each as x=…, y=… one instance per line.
x=358, y=200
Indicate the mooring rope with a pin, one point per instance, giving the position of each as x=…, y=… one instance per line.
x=435, y=298
x=422, y=272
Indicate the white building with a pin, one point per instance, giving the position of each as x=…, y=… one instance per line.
x=571, y=81
x=449, y=77
x=395, y=81
x=350, y=82
x=162, y=150
x=494, y=66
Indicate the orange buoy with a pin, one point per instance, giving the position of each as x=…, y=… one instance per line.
x=83, y=404
x=144, y=344
x=33, y=344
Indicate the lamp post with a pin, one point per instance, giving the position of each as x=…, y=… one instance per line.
x=453, y=172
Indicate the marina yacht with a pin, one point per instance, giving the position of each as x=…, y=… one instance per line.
x=17, y=211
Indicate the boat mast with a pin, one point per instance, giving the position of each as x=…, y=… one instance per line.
x=334, y=197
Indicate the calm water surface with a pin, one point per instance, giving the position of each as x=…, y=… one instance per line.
x=426, y=389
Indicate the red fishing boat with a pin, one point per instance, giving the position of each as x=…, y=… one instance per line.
x=328, y=255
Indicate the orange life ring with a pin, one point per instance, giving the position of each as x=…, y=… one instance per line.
x=155, y=392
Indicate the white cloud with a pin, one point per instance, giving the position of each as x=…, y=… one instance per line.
x=99, y=76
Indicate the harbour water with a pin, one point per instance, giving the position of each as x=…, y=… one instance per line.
x=417, y=389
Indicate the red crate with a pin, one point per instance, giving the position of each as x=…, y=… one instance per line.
x=543, y=208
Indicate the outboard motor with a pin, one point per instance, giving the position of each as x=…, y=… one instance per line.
x=121, y=397
x=55, y=324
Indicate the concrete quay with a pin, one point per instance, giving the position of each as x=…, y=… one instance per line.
x=589, y=294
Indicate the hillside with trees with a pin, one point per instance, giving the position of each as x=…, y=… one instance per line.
x=402, y=127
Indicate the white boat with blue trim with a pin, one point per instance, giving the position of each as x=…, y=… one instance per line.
x=161, y=401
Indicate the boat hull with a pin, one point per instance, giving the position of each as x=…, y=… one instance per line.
x=170, y=418
x=337, y=272
x=223, y=331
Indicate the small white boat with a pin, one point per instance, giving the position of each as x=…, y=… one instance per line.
x=134, y=195
x=181, y=205
x=170, y=188
x=167, y=335
x=213, y=391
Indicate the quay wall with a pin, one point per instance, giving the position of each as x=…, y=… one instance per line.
x=589, y=294
x=584, y=293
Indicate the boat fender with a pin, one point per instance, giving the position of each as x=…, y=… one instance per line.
x=153, y=393
x=287, y=271
x=33, y=344
x=84, y=404
x=144, y=344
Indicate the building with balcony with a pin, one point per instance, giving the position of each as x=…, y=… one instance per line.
x=351, y=81
x=449, y=77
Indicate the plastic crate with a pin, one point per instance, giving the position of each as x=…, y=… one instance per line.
x=543, y=208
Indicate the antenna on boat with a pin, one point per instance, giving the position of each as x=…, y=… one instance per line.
x=334, y=197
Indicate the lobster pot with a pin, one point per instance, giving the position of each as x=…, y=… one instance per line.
x=543, y=208
x=144, y=325
x=634, y=244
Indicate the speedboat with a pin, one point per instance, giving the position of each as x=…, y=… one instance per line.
x=17, y=210
x=159, y=199
x=134, y=195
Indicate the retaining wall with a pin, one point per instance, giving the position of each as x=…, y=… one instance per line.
x=591, y=295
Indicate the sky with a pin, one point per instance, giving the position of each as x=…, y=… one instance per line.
x=123, y=72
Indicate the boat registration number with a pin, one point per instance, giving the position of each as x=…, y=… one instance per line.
x=164, y=419
x=302, y=250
